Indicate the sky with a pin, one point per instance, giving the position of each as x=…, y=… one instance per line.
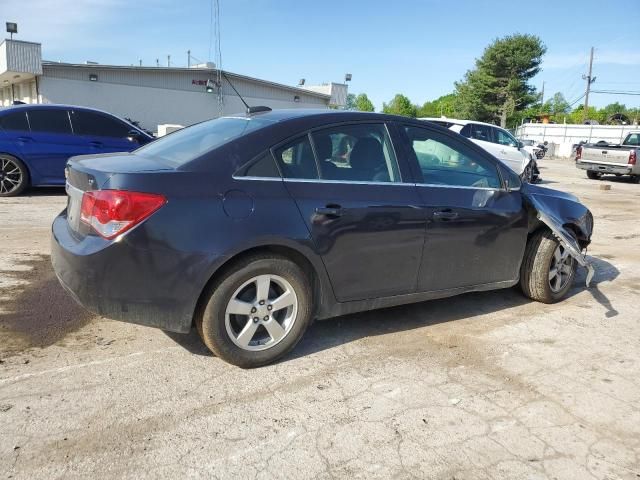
x=418, y=48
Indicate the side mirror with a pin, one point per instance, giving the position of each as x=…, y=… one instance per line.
x=520, y=145
x=133, y=136
x=511, y=179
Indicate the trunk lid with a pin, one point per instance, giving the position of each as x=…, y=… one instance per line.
x=607, y=154
x=91, y=172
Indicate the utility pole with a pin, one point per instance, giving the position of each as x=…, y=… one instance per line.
x=589, y=80
x=168, y=61
x=542, y=95
x=188, y=58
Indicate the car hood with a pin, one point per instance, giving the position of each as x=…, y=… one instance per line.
x=563, y=213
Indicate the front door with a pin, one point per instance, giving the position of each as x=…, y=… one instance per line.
x=102, y=133
x=363, y=219
x=476, y=230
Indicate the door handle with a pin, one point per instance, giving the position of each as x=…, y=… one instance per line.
x=96, y=144
x=25, y=139
x=504, y=152
x=445, y=214
x=330, y=210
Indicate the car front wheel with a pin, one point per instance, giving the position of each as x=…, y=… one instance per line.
x=257, y=312
x=547, y=270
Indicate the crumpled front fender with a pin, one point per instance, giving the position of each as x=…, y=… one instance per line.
x=558, y=210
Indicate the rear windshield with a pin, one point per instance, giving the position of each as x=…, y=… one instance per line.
x=189, y=143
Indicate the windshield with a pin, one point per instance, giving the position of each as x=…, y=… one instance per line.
x=189, y=143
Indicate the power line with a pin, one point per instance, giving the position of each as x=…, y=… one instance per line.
x=614, y=92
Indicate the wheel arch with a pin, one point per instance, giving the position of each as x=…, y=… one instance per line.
x=18, y=157
x=315, y=272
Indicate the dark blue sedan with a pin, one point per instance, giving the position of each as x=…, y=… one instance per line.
x=250, y=227
x=37, y=140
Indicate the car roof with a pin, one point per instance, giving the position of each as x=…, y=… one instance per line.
x=456, y=121
x=51, y=106
x=321, y=114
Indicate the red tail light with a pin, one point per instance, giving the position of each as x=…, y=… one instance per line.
x=633, y=157
x=112, y=212
x=578, y=153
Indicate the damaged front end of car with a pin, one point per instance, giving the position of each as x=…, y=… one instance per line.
x=569, y=220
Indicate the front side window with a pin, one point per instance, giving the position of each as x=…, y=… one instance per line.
x=97, y=124
x=296, y=159
x=49, y=121
x=505, y=138
x=358, y=153
x=190, y=143
x=443, y=161
x=14, y=121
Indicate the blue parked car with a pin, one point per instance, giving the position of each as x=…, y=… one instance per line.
x=37, y=140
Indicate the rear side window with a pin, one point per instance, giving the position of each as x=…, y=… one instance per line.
x=263, y=167
x=633, y=139
x=96, y=124
x=477, y=131
x=296, y=159
x=192, y=142
x=49, y=121
x=14, y=121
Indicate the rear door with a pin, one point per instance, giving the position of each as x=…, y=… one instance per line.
x=102, y=133
x=476, y=230
x=362, y=217
x=50, y=143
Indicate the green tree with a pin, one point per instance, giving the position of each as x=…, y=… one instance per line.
x=363, y=104
x=400, y=105
x=351, y=102
x=498, y=86
x=442, y=106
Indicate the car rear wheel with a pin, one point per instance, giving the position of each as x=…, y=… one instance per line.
x=593, y=175
x=257, y=312
x=14, y=177
x=635, y=178
x=547, y=270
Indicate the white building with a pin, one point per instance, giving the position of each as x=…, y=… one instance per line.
x=149, y=95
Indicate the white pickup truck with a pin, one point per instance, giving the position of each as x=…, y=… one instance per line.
x=600, y=158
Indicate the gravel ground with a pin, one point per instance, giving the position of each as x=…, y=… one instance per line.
x=481, y=386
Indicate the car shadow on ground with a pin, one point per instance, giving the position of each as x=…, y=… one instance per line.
x=326, y=334
x=44, y=192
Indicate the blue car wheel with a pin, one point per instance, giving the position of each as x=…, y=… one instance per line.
x=14, y=176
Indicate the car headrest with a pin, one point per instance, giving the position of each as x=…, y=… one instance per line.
x=367, y=154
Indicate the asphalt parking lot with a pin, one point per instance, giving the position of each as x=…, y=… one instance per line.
x=482, y=386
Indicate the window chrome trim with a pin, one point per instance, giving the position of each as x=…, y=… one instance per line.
x=437, y=185
x=347, y=182
x=358, y=182
x=278, y=179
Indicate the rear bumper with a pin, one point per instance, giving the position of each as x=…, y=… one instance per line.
x=605, y=168
x=136, y=280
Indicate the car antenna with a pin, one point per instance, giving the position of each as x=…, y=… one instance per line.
x=250, y=110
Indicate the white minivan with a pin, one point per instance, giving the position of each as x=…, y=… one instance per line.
x=495, y=140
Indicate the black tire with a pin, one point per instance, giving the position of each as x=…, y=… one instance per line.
x=536, y=266
x=635, y=178
x=14, y=176
x=593, y=175
x=212, y=323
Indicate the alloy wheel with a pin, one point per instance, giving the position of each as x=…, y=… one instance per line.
x=261, y=312
x=10, y=175
x=561, y=269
